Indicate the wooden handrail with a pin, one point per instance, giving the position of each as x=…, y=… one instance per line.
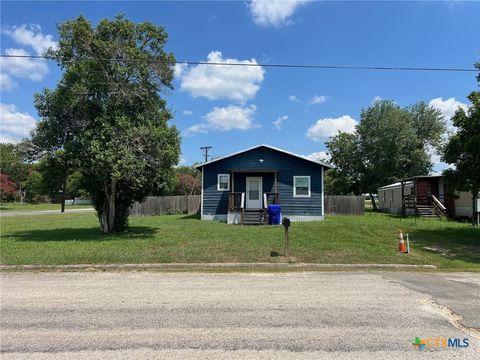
x=438, y=203
x=276, y=197
x=442, y=210
x=235, y=201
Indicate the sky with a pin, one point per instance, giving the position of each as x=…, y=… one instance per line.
x=233, y=108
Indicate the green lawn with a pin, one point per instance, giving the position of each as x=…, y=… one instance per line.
x=8, y=207
x=75, y=239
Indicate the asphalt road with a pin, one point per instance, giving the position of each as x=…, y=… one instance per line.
x=151, y=315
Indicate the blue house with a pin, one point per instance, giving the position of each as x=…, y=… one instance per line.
x=239, y=187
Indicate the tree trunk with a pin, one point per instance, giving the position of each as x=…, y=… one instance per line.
x=374, y=204
x=475, y=215
x=62, y=197
x=22, y=193
x=107, y=221
x=111, y=205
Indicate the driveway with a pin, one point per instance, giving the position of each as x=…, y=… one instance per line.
x=151, y=315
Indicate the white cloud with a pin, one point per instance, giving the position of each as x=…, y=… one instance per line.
x=325, y=128
x=318, y=99
x=31, y=35
x=32, y=69
x=435, y=157
x=238, y=83
x=226, y=118
x=187, y=112
x=179, y=70
x=448, y=107
x=26, y=68
x=14, y=125
x=322, y=156
x=274, y=12
x=6, y=82
x=293, y=98
x=376, y=98
x=280, y=120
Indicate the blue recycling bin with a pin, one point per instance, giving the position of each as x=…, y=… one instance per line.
x=274, y=214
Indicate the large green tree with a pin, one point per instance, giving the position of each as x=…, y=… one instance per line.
x=463, y=149
x=114, y=73
x=390, y=143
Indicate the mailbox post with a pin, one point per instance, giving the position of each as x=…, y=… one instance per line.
x=286, y=224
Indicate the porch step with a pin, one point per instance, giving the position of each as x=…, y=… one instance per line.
x=253, y=217
x=427, y=212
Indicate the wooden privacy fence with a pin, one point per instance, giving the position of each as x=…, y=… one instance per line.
x=156, y=205
x=344, y=205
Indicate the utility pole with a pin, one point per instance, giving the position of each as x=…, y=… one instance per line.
x=205, y=151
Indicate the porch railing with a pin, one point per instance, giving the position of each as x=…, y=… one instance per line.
x=411, y=200
x=440, y=209
x=271, y=198
x=236, y=201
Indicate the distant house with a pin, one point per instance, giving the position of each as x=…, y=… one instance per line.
x=424, y=196
x=239, y=187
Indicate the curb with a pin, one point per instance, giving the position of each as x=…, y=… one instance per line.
x=214, y=266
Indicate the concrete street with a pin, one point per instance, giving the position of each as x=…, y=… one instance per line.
x=311, y=315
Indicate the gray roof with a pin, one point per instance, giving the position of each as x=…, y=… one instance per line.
x=269, y=147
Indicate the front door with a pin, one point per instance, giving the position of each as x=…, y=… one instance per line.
x=254, y=193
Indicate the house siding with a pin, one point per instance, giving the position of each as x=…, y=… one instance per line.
x=288, y=166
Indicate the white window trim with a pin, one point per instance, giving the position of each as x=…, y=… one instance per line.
x=309, y=186
x=218, y=182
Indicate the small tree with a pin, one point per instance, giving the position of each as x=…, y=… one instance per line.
x=7, y=188
x=13, y=164
x=113, y=76
x=33, y=186
x=187, y=181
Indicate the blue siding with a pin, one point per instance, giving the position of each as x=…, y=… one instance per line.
x=216, y=202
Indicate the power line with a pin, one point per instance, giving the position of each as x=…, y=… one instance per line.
x=293, y=66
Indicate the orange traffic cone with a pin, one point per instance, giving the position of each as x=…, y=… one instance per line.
x=401, y=243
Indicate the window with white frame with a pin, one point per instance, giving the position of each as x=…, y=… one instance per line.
x=301, y=186
x=223, y=182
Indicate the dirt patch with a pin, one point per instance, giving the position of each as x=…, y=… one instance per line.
x=440, y=250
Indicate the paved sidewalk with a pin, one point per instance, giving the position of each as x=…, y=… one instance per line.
x=43, y=212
